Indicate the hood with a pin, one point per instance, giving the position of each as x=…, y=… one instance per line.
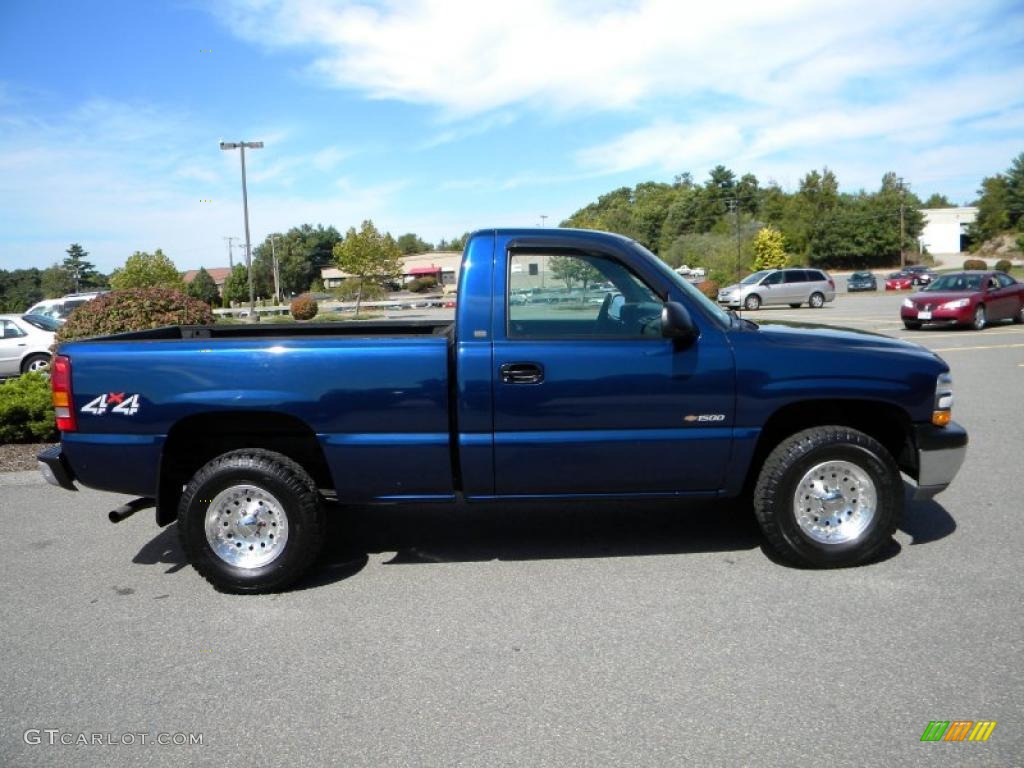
x=826, y=337
x=939, y=297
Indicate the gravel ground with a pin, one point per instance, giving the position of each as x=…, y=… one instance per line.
x=19, y=457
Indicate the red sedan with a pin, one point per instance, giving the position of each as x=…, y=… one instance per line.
x=970, y=299
x=899, y=281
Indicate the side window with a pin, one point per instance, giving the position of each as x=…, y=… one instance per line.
x=796, y=276
x=814, y=276
x=574, y=295
x=1005, y=280
x=775, y=278
x=10, y=330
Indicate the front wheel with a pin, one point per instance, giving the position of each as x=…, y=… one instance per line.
x=817, y=301
x=828, y=497
x=752, y=302
x=250, y=521
x=980, y=319
x=1019, y=317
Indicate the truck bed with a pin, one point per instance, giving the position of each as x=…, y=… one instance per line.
x=287, y=330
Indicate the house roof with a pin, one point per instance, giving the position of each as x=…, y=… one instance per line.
x=219, y=274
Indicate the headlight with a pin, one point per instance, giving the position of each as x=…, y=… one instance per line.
x=955, y=304
x=942, y=412
x=908, y=304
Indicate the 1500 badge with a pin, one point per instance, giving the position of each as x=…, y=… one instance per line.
x=117, y=402
x=704, y=417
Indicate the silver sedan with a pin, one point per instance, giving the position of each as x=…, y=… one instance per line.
x=25, y=342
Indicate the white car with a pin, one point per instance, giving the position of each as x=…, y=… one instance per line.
x=25, y=343
x=59, y=309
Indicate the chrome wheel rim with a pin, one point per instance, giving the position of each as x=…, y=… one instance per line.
x=817, y=300
x=835, y=502
x=38, y=365
x=979, y=318
x=752, y=302
x=246, y=526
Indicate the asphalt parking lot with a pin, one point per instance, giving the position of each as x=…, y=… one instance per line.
x=614, y=634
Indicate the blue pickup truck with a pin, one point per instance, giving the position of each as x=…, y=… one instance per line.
x=579, y=366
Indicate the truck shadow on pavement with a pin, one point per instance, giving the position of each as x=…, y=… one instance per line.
x=451, y=533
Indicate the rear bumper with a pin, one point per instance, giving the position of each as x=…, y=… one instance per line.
x=55, y=469
x=940, y=453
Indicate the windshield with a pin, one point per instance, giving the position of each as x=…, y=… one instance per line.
x=756, y=277
x=688, y=288
x=860, y=275
x=42, y=322
x=959, y=282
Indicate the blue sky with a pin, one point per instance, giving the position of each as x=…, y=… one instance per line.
x=443, y=116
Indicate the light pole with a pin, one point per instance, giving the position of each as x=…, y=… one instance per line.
x=243, y=145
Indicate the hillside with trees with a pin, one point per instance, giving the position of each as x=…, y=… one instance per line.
x=714, y=224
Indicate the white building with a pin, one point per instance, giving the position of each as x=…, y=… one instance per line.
x=944, y=228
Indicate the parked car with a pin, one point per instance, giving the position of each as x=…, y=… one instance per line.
x=861, y=281
x=793, y=286
x=656, y=393
x=921, y=275
x=971, y=299
x=24, y=344
x=59, y=309
x=899, y=281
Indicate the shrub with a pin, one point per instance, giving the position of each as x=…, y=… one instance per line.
x=304, y=307
x=975, y=264
x=1003, y=265
x=709, y=288
x=26, y=410
x=135, y=309
x=421, y=284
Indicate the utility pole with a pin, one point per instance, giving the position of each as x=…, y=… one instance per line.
x=243, y=145
x=277, y=273
x=543, y=220
x=899, y=186
x=735, y=209
x=231, y=252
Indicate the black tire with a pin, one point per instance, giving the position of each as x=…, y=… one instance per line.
x=292, y=496
x=912, y=325
x=816, y=301
x=37, y=362
x=791, y=462
x=1019, y=317
x=795, y=306
x=752, y=302
x=980, y=319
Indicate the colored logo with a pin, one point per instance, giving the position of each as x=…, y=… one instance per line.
x=958, y=730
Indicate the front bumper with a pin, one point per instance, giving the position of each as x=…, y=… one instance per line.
x=54, y=468
x=960, y=316
x=940, y=453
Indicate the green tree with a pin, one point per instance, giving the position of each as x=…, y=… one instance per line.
x=301, y=253
x=204, y=288
x=19, y=289
x=455, y=244
x=55, y=282
x=369, y=256
x=236, y=286
x=81, y=272
x=935, y=200
x=147, y=270
x=411, y=243
x=572, y=270
x=770, y=249
x=1015, y=193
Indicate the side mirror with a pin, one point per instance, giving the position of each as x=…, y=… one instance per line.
x=676, y=322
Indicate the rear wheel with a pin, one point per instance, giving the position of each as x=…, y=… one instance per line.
x=250, y=521
x=817, y=300
x=912, y=325
x=37, y=362
x=1019, y=317
x=828, y=497
x=752, y=302
x=980, y=319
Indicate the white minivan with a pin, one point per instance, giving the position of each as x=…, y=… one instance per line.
x=792, y=285
x=59, y=309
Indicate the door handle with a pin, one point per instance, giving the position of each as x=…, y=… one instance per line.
x=522, y=373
